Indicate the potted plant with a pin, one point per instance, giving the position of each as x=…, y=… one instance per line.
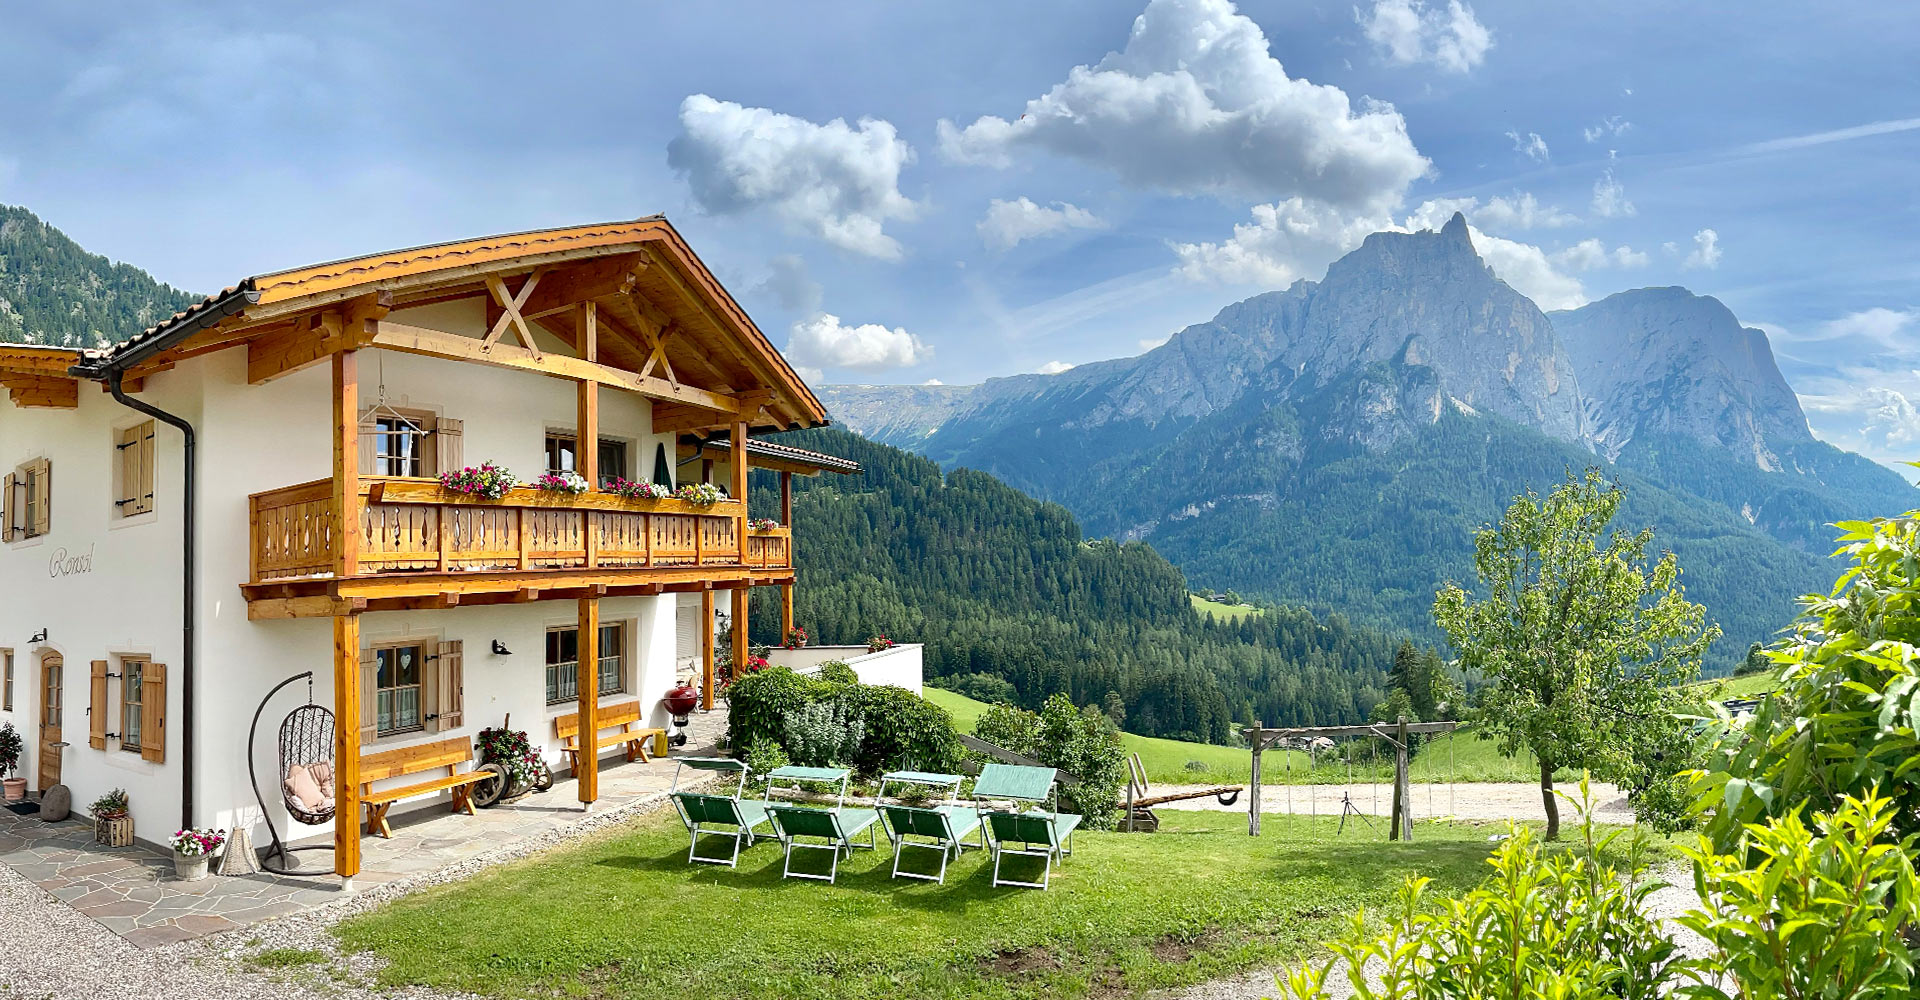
x=11, y=747
x=631, y=490
x=112, y=823
x=192, y=849
x=762, y=524
x=879, y=642
x=486, y=480
x=700, y=494
x=796, y=638
x=561, y=482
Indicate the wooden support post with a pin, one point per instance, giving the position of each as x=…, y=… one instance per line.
x=737, y=459
x=739, y=631
x=346, y=465
x=346, y=745
x=586, y=445
x=1253, y=790
x=1402, y=792
x=707, y=652
x=786, y=498
x=786, y=609
x=588, y=669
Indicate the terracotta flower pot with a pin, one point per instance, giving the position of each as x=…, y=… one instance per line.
x=15, y=788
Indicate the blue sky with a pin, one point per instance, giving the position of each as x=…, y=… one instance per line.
x=1172, y=158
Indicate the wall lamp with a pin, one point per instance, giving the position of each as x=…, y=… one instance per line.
x=40, y=636
x=500, y=649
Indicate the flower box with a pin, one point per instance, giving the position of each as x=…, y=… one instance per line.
x=429, y=492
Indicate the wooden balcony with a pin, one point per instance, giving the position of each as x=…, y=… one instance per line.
x=418, y=540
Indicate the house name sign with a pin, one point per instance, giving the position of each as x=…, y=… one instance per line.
x=65, y=563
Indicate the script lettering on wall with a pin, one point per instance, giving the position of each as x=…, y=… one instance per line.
x=66, y=563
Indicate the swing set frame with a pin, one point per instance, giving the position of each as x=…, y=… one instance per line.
x=1395, y=734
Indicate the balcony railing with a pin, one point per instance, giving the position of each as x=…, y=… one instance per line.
x=412, y=526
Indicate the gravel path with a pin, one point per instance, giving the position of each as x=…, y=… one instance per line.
x=1466, y=800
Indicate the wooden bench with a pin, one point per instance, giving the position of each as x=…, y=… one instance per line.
x=624, y=719
x=422, y=758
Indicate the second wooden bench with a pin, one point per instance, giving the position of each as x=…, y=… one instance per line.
x=420, y=758
x=624, y=719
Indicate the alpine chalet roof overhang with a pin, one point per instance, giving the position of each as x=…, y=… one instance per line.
x=764, y=454
x=660, y=324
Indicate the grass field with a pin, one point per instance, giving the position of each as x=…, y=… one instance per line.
x=1750, y=686
x=625, y=915
x=1225, y=612
x=1447, y=758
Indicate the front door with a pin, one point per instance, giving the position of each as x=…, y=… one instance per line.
x=50, y=707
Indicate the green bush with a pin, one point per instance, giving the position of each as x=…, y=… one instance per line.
x=989, y=688
x=765, y=755
x=824, y=734
x=1817, y=914
x=896, y=724
x=1082, y=742
x=1557, y=924
x=837, y=672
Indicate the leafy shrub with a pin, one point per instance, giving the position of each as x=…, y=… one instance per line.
x=897, y=725
x=764, y=755
x=1197, y=767
x=1082, y=742
x=1817, y=915
x=836, y=672
x=989, y=688
x=1561, y=925
x=901, y=728
x=1844, y=720
x=824, y=733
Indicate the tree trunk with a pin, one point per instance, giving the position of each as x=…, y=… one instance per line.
x=1550, y=800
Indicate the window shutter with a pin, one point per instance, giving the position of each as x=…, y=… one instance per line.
x=449, y=684
x=42, y=483
x=153, y=713
x=366, y=441
x=97, y=707
x=447, y=434
x=369, y=698
x=686, y=634
x=127, y=449
x=11, y=500
x=143, y=486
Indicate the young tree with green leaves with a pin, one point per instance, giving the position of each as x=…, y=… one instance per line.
x=1580, y=637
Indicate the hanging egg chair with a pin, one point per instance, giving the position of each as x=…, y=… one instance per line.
x=306, y=772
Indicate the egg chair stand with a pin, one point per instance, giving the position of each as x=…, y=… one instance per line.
x=306, y=739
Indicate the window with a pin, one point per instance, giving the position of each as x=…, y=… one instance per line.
x=132, y=677
x=401, y=442
x=133, y=470
x=6, y=680
x=563, y=662
x=399, y=690
x=28, y=497
x=686, y=634
x=562, y=449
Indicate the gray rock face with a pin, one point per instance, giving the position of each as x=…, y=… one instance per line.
x=1664, y=360
x=55, y=804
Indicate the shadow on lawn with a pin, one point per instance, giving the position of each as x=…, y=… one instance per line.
x=969, y=880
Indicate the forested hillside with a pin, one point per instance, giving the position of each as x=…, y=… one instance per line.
x=54, y=292
x=995, y=582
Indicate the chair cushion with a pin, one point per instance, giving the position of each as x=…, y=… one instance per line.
x=322, y=774
x=304, y=790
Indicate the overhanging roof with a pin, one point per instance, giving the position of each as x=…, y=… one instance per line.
x=765, y=454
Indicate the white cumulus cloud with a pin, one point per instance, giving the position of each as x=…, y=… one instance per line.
x=1052, y=368
x=1009, y=222
x=1878, y=327
x=1530, y=146
x=1612, y=125
x=1591, y=255
x=836, y=181
x=822, y=341
x=1522, y=211
x=1610, y=196
x=1409, y=31
x=1195, y=103
x=1706, y=251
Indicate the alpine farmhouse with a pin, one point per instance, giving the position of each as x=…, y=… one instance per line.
x=249, y=491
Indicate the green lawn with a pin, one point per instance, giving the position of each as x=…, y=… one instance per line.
x=1224, y=612
x=625, y=915
x=1750, y=686
x=1175, y=762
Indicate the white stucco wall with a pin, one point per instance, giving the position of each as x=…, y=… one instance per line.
x=900, y=666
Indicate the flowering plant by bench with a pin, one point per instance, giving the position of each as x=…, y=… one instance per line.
x=485, y=480
x=632, y=490
x=561, y=482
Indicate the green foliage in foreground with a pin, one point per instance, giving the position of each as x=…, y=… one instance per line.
x=1580, y=637
x=1845, y=717
x=626, y=916
x=1081, y=742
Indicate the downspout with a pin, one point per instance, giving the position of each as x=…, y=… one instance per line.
x=109, y=370
x=187, y=532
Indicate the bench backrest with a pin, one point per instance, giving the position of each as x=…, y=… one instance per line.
x=415, y=759
x=919, y=822
x=701, y=808
x=1024, y=828
x=799, y=821
x=567, y=726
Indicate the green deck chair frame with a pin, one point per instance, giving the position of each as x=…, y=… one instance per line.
x=945, y=826
x=1034, y=823
x=837, y=827
x=704, y=813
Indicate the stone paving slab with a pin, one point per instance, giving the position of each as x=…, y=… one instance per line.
x=132, y=891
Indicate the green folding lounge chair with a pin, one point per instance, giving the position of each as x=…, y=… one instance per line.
x=941, y=828
x=1040, y=832
x=713, y=815
x=837, y=826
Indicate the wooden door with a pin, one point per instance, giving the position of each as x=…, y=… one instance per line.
x=51, y=706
